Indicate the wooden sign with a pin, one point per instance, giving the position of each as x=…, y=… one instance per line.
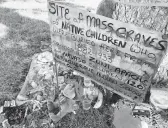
x=120, y=56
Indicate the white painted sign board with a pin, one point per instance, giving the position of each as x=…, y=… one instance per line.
x=119, y=56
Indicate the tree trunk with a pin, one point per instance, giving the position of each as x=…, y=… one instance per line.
x=153, y=18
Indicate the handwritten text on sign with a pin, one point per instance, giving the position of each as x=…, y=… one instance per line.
x=118, y=55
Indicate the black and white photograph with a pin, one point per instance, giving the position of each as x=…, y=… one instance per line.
x=83, y=63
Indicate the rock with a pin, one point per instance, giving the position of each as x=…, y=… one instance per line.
x=144, y=124
x=159, y=98
x=124, y=119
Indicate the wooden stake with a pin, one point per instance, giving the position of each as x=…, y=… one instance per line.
x=55, y=69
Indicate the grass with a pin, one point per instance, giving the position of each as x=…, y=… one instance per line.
x=24, y=38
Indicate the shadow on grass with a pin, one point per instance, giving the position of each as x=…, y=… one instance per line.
x=24, y=38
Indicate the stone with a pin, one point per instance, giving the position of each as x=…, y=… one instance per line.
x=159, y=98
x=124, y=119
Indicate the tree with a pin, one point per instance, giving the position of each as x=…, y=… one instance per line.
x=150, y=17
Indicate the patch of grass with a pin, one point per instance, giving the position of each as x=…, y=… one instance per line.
x=21, y=43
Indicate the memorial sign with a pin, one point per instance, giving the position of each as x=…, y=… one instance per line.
x=119, y=56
